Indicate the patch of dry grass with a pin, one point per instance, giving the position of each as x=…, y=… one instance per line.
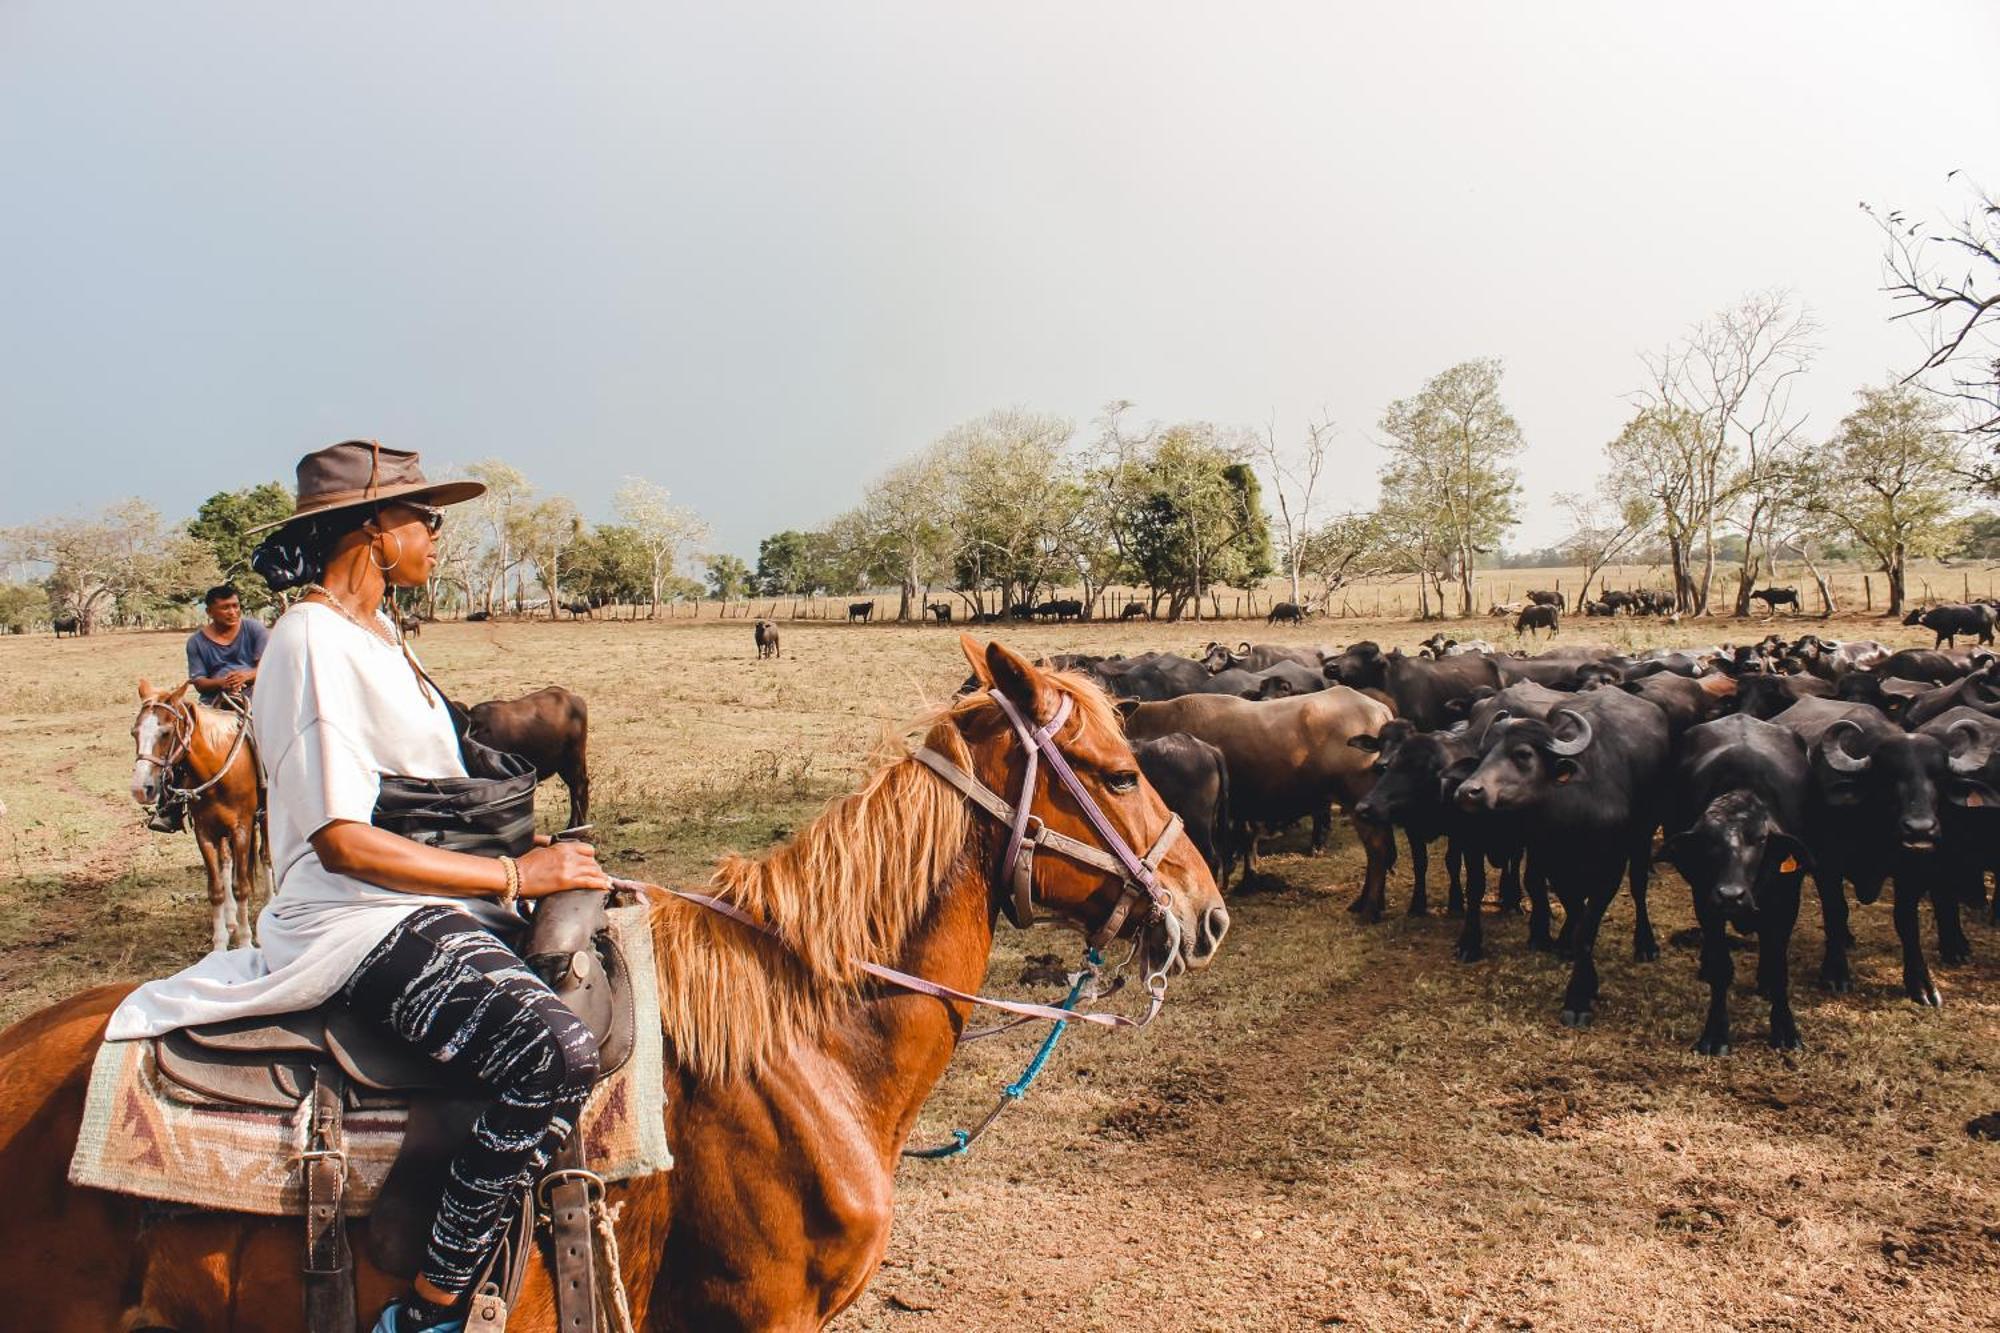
x=1336, y=1126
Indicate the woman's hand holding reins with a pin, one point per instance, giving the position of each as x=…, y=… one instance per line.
x=559, y=867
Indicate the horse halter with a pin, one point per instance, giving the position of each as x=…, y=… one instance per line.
x=183, y=731
x=1026, y=834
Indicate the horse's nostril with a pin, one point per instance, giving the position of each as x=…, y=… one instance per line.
x=1214, y=925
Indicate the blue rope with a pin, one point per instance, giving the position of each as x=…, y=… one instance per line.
x=961, y=1139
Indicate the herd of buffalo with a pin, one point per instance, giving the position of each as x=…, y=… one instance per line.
x=1845, y=761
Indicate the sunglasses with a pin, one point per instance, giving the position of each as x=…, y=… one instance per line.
x=433, y=518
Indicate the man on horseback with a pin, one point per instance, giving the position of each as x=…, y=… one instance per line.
x=222, y=658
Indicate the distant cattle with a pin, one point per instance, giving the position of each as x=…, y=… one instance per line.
x=1543, y=597
x=767, y=639
x=550, y=729
x=578, y=609
x=411, y=624
x=1258, y=656
x=1953, y=619
x=939, y=611
x=472, y=617
x=1135, y=611
x=1773, y=598
x=1289, y=612
x=1059, y=609
x=69, y=625
x=1421, y=688
x=1540, y=616
x=860, y=611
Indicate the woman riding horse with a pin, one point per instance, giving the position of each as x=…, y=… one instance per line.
x=409, y=936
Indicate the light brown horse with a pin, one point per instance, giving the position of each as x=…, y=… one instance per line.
x=206, y=751
x=798, y=1080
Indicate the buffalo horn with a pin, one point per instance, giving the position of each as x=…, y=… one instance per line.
x=1970, y=756
x=1577, y=743
x=1833, y=745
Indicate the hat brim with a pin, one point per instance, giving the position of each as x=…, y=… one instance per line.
x=421, y=492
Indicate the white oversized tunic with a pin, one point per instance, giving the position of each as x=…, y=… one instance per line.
x=335, y=708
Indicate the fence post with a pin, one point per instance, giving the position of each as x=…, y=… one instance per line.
x=1868, y=590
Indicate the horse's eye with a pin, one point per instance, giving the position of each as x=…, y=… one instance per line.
x=1123, y=782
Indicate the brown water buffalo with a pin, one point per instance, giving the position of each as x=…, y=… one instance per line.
x=1288, y=759
x=550, y=729
x=766, y=634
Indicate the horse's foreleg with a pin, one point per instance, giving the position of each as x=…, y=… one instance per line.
x=242, y=843
x=218, y=891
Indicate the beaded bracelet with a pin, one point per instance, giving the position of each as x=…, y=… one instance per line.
x=513, y=889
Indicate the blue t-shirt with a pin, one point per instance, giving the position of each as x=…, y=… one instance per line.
x=209, y=659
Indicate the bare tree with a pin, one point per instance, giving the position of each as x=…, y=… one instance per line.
x=1603, y=524
x=1293, y=480
x=507, y=492
x=1959, y=305
x=545, y=532
x=664, y=528
x=1732, y=378
x=123, y=560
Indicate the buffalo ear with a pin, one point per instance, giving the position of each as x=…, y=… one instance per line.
x=1972, y=793
x=1673, y=847
x=1565, y=770
x=1125, y=707
x=1794, y=857
x=1372, y=744
x=1839, y=790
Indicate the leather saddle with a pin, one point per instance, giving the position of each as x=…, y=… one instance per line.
x=271, y=1062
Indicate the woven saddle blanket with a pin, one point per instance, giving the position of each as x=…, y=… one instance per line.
x=141, y=1135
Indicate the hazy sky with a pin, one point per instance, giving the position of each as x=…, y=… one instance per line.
x=758, y=252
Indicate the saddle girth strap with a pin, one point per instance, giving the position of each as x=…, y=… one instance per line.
x=566, y=1192
x=328, y=1272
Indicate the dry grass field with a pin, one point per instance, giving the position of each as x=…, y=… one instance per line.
x=1336, y=1126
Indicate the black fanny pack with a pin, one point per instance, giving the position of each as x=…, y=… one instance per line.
x=489, y=812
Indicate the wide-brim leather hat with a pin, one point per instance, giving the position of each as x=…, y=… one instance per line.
x=362, y=472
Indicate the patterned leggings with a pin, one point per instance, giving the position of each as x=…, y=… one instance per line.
x=449, y=987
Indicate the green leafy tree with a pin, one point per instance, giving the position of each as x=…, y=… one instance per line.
x=222, y=524
x=1449, y=466
x=22, y=607
x=122, y=563
x=1192, y=515
x=786, y=564
x=728, y=576
x=611, y=564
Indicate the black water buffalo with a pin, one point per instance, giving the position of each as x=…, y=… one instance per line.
x=1736, y=833
x=1545, y=598
x=1421, y=688
x=1192, y=777
x=1559, y=670
x=579, y=609
x=1590, y=786
x=1288, y=759
x=1288, y=612
x=1773, y=598
x=861, y=611
x=1150, y=676
x=409, y=623
x=472, y=617
x=1259, y=656
x=1971, y=807
x=550, y=729
x=1764, y=697
x=1060, y=609
x=1415, y=775
x=1952, y=619
x=939, y=611
x=1540, y=616
x=1135, y=611
x=1687, y=701
x=1922, y=703
x=766, y=635
x=1281, y=680
x=70, y=625
x=1875, y=818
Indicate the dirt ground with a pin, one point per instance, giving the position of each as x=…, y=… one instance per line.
x=1336, y=1126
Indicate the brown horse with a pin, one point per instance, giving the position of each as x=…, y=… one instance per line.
x=797, y=1078
x=205, y=751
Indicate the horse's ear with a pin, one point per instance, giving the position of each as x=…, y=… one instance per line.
x=179, y=690
x=145, y=689
x=1014, y=676
x=977, y=656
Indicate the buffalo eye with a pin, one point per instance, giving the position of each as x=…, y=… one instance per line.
x=1523, y=755
x=1123, y=782
x=1380, y=766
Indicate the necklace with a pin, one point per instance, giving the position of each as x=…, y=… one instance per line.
x=376, y=629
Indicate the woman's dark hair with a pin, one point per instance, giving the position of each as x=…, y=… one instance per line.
x=297, y=553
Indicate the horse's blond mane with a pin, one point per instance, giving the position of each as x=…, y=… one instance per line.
x=850, y=885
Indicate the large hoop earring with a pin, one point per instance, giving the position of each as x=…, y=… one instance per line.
x=382, y=568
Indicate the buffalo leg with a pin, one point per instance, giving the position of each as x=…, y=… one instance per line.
x=1718, y=970
x=1953, y=948
x=1420, y=863
x=1322, y=829
x=1454, y=869
x=1471, y=936
x=577, y=779
x=1833, y=969
x=1538, y=910
x=1380, y=842
x=1510, y=882
x=1645, y=945
x=1774, y=976
x=1917, y=983
x=1581, y=995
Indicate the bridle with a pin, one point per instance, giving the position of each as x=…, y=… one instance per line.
x=1027, y=834
x=1016, y=874
x=182, y=729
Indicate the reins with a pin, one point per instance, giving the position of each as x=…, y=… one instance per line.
x=185, y=724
